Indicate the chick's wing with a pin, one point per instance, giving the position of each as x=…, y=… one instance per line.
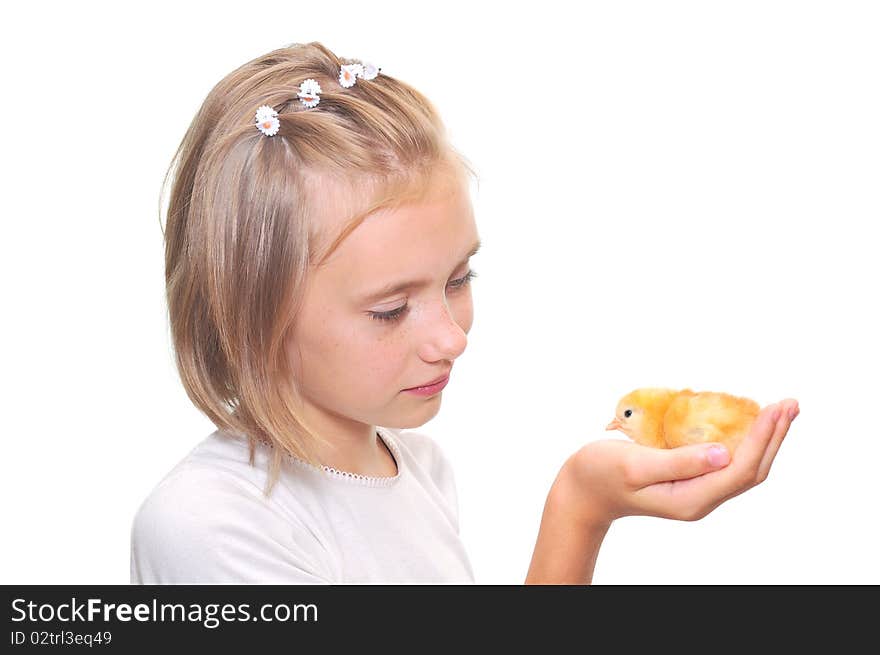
x=708, y=416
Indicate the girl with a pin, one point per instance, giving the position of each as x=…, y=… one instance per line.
x=318, y=239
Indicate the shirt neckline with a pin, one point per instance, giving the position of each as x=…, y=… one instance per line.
x=346, y=476
x=367, y=480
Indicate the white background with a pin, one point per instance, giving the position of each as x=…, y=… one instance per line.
x=677, y=194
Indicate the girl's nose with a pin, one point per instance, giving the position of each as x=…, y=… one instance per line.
x=445, y=338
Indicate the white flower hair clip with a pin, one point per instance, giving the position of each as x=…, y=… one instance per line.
x=267, y=121
x=266, y=118
x=348, y=73
x=308, y=93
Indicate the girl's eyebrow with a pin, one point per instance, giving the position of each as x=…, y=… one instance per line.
x=396, y=287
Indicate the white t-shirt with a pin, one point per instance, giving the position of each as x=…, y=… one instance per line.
x=208, y=521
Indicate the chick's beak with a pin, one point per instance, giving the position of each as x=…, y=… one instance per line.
x=614, y=425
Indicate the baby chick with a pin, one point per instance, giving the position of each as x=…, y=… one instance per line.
x=666, y=418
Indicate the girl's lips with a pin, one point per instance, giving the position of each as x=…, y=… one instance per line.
x=430, y=389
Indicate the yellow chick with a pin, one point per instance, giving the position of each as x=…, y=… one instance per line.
x=666, y=418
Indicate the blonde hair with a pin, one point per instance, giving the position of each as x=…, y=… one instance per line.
x=244, y=224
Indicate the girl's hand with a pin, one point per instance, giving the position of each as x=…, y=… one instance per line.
x=612, y=478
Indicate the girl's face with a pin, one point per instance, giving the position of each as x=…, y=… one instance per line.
x=389, y=310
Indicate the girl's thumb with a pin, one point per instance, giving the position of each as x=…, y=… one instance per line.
x=691, y=460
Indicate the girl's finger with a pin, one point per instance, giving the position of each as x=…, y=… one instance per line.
x=695, y=497
x=661, y=465
x=751, y=449
x=782, y=426
x=741, y=474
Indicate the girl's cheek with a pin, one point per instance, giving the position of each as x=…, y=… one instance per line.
x=464, y=315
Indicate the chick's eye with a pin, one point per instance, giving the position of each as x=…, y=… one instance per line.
x=628, y=413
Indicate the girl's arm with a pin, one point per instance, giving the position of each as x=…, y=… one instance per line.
x=568, y=543
x=611, y=478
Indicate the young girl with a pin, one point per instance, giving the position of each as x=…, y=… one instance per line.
x=318, y=239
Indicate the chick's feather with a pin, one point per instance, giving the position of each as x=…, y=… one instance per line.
x=666, y=418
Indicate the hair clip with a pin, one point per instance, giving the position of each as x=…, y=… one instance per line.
x=348, y=73
x=370, y=71
x=308, y=93
x=266, y=118
x=267, y=121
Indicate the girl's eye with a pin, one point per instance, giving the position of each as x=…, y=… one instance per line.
x=393, y=315
x=396, y=314
x=462, y=281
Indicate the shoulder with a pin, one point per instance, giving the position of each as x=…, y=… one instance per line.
x=206, y=521
x=213, y=479
x=185, y=519
x=424, y=451
x=189, y=494
x=429, y=465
